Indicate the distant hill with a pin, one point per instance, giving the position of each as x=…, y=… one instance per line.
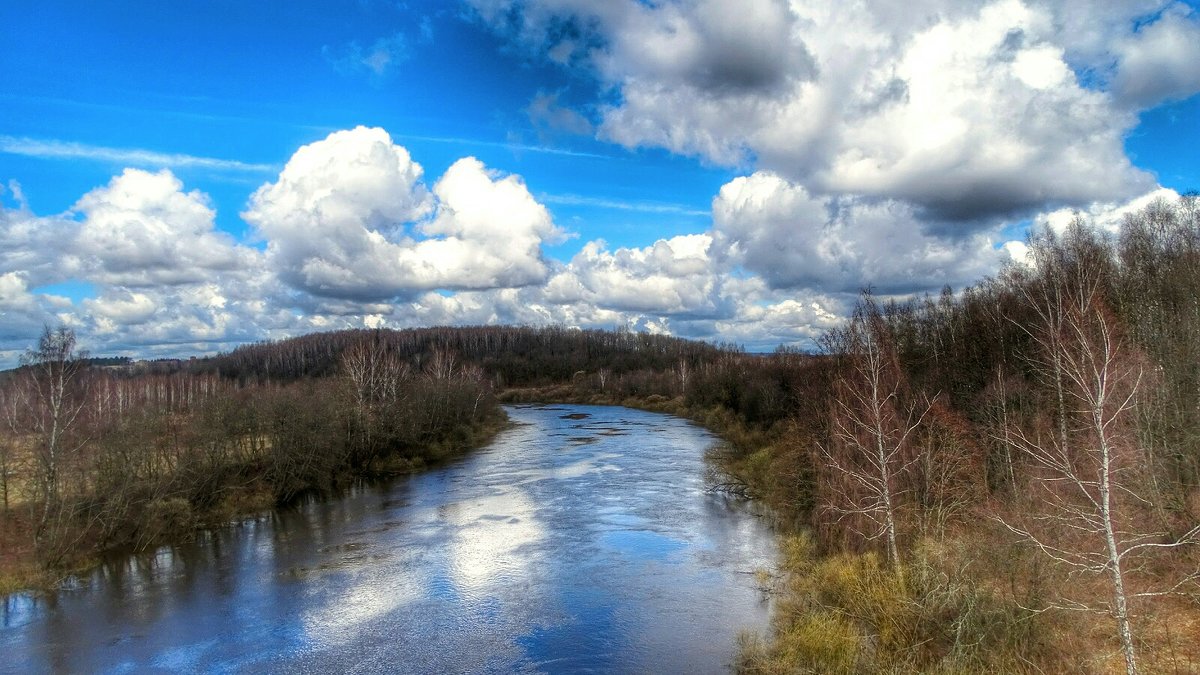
x=518, y=355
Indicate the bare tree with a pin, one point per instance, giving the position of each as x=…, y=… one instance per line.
x=945, y=479
x=442, y=364
x=57, y=396
x=869, y=449
x=684, y=372
x=1000, y=426
x=1090, y=477
x=375, y=373
x=477, y=377
x=376, y=376
x=604, y=375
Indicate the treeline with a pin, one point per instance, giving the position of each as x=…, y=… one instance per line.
x=513, y=355
x=999, y=479
x=93, y=458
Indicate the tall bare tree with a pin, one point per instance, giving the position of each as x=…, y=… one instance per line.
x=376, y=376
x=442, y=364
x=374, y=371
x=56, y=398
x=1090, y=478
x=872, y=423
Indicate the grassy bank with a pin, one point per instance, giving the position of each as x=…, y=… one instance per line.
x=853, y=613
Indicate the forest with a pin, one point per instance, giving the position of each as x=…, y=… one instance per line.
x=1004, y=478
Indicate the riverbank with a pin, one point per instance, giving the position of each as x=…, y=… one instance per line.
x=20, y=569
x=281, y=469
x=178, y=520
x=967, y=598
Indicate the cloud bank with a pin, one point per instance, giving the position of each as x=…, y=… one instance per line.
x=351, y=234
x=888, y=144
x=964, y=111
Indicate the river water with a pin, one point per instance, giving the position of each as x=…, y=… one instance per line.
x=580, y=540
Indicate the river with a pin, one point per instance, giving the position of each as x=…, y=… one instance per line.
x=580, y=540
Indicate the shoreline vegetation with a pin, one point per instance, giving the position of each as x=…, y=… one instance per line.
x=1003, y=479
x=100, y=455
x=22, y=572
x=129, y=462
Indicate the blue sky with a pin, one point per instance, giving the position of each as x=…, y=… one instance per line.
x=728, y=171
x=251, y=82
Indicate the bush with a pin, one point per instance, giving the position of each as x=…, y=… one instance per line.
x=852, y=613
x=165, y=520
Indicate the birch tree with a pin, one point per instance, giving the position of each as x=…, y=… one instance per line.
x=376, y=376
x=56, y=399
x=1088, y=476
x=375, y=373
x=868, y=449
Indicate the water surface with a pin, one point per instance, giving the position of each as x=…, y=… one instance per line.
x=580, y=540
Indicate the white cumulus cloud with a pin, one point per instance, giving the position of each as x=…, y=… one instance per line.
x=671, y=277
x=349, y=217
x=778, y=230
x=142, y=229
x=1161, y=61
x=968, y=111
x=14, y=293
